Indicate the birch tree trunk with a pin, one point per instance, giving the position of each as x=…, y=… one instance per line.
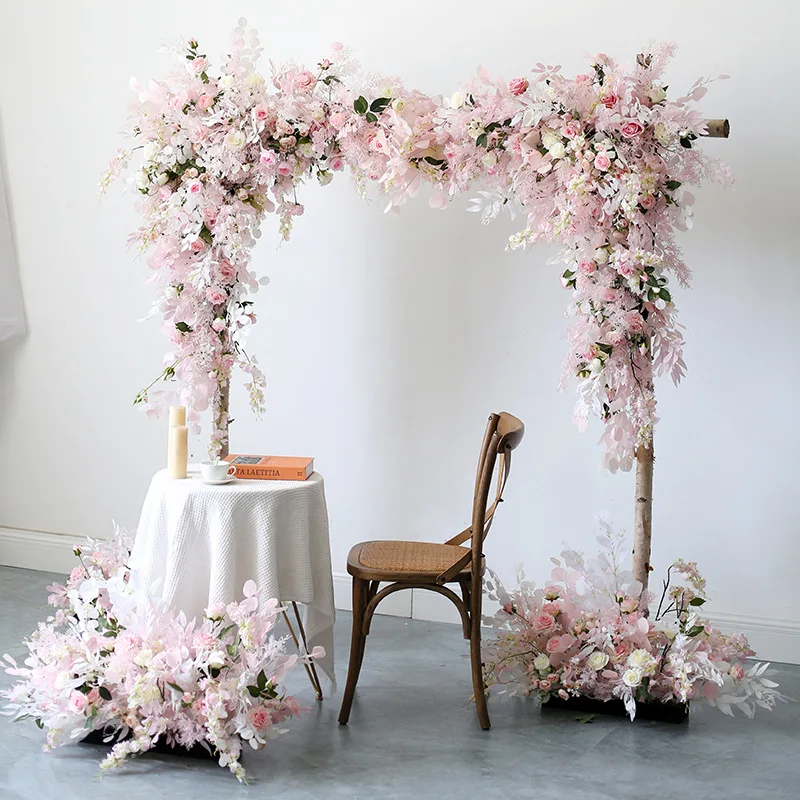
x=224, y=404
x=643, y=515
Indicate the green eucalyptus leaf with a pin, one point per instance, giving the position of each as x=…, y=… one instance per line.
x=104, y=693
x=360, y=105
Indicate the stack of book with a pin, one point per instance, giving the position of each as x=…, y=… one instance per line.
x=271, y=468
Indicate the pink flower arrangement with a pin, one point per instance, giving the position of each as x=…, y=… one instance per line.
x=596, y=641
x=112, y=658
x=597, y=163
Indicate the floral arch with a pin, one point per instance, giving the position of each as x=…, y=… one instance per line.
x=598, y=163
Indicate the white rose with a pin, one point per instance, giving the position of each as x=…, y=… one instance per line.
x=595, y=365
x=235, y=140
x=306, y=150
x=225, y=82
x=151, y=150
x=601, y=255
x=254, y=81
x=549, y=138
x=657, y=93
x=62, y=679
x=143, y=657
x=216, y=659
x=632, y=678
x=662, y=134
x=387, y=91
x=456, y=100
x=489, y=160
x=597, y=660
x=399, y=104
x=324, y=177
x=541, y=662
x=142, y=181
x=475, y=128
x=639, y=659
x=557, y=150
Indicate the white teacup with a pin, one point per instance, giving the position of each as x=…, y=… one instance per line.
x=216, y=470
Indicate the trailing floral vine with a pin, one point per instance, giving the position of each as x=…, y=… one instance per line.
x=598, y=163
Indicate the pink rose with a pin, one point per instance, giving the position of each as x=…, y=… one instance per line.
x=194, y=186
x=551, y=608
x=267, y=158
x=285, y=168
x=544, y=621
x=325, y=63
x=625, y=268
x=518, y=86
x=562, y=694
x=631, y=128
x=258, y=717
x=634, y=322
x=586, y=266
x=77, y=702
x=199, y=65
x=544, y=686
x=609, y=99
x=304, y=81
x=602, y=162
x=572, y=129
x=215, y=295
x=219, y=324
x=337, y=163
x=337, y=119
x=261, y=113
x=287, y=142
x=205, y=101
x=647, y=202
x=553, y=644
x=737, y=672
x=226, y=271
x=552, y=592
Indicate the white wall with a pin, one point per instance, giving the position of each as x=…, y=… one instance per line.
x=388, y=339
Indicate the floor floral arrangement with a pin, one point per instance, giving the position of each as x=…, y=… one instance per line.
x=587, y=634
x=113, y=658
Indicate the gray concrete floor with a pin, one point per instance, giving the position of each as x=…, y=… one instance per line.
x=412, y=734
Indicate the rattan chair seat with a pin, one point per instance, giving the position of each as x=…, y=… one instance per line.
x=411, y=560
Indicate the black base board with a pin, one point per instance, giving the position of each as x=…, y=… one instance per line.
x=161, y=747
x=660, y=712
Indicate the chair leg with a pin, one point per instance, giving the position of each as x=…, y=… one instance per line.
x=475, y=656
x=357, y=644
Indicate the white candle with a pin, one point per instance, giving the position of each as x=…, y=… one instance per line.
x=177, y=416
x=178, y=451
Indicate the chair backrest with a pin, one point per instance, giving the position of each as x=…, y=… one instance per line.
x=503, y=433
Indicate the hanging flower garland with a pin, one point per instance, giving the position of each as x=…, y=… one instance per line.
x=598, y=163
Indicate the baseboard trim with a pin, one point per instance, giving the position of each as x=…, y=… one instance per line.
x=38, y=550
x=772, y=639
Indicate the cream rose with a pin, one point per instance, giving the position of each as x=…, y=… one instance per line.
x=597, y=660
x=541, y=662
x=632, y=678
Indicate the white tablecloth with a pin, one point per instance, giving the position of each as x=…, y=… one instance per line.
x=204, y=542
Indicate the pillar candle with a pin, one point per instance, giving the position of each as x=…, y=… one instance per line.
x=178, y=452
x=177, y=416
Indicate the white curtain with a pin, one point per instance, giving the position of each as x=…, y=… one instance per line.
x=12, y=314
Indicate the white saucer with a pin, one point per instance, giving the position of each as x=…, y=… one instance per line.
x=229, y=479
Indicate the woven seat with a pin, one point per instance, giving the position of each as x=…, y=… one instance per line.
x=432, y=566
x=393, y=560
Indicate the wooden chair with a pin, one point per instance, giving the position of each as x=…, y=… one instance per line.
x=429, y=565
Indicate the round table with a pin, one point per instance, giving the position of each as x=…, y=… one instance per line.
x=201, y=543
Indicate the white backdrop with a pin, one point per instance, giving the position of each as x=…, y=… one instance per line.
x=388, y=339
